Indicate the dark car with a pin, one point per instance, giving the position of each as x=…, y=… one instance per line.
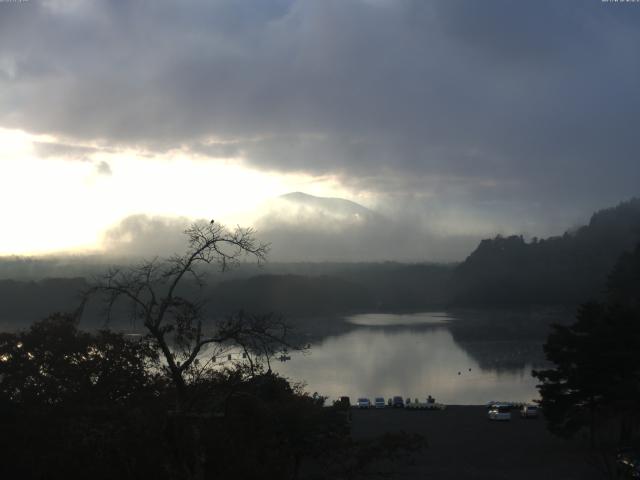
x=529, y=411
x=344, y=403
x=398, y=402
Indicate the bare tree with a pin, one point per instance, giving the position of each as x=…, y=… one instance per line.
x=152, y=291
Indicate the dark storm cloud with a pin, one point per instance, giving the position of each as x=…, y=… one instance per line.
x=73, y=152
x=525, y=102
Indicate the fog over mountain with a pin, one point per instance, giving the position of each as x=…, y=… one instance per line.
x=302, y=227
x=146, y=236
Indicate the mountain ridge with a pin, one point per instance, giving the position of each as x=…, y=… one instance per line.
x=570, y=268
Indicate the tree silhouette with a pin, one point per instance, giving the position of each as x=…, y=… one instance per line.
x=75, y=404
x=596, y=378
x=152, y=292
x=54, y=363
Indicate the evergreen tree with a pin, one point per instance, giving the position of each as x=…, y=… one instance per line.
x=596, y=378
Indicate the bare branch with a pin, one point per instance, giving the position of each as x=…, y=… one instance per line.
x=176, y=324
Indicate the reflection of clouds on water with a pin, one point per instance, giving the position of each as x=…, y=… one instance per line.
x=409, y=362
x=506, y=340
x=505, y=356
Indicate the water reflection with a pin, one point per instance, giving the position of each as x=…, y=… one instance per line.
x=408, y=355
x=399, y=320
x=504, y=355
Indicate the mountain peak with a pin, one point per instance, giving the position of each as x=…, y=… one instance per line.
x=329, y=205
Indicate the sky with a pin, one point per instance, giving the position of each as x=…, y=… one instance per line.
x=455, y=120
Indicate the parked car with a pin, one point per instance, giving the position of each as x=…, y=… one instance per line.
x=500, y=412
x=363, y=403
x=379, y=402
x=529, y=411
x=398, y=402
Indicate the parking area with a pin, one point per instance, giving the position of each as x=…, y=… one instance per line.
x=464, y=443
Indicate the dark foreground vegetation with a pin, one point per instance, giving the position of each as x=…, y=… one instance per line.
x=80, y=405
x=593, y=388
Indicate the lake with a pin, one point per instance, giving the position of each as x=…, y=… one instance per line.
x=431, y=353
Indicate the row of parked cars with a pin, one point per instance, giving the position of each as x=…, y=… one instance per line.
x=502, y=411
x=394, y=402
x=499, y=411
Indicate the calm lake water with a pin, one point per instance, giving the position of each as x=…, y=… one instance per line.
x=414, y=356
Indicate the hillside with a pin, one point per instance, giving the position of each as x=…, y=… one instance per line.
x=293, y=290
x=567, y=269
x=331, y=206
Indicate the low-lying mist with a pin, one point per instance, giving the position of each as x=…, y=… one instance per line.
x=304, y=228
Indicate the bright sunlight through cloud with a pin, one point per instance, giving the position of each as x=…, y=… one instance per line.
x=65, y=204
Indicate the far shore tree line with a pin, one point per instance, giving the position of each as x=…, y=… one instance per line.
x=506, y=271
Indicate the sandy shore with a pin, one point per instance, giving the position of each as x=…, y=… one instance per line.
x=463, y=443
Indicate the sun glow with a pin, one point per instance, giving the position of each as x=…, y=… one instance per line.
x=60, y=203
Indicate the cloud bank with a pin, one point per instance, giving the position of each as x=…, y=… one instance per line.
x=303, y=228
x=501, y=107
